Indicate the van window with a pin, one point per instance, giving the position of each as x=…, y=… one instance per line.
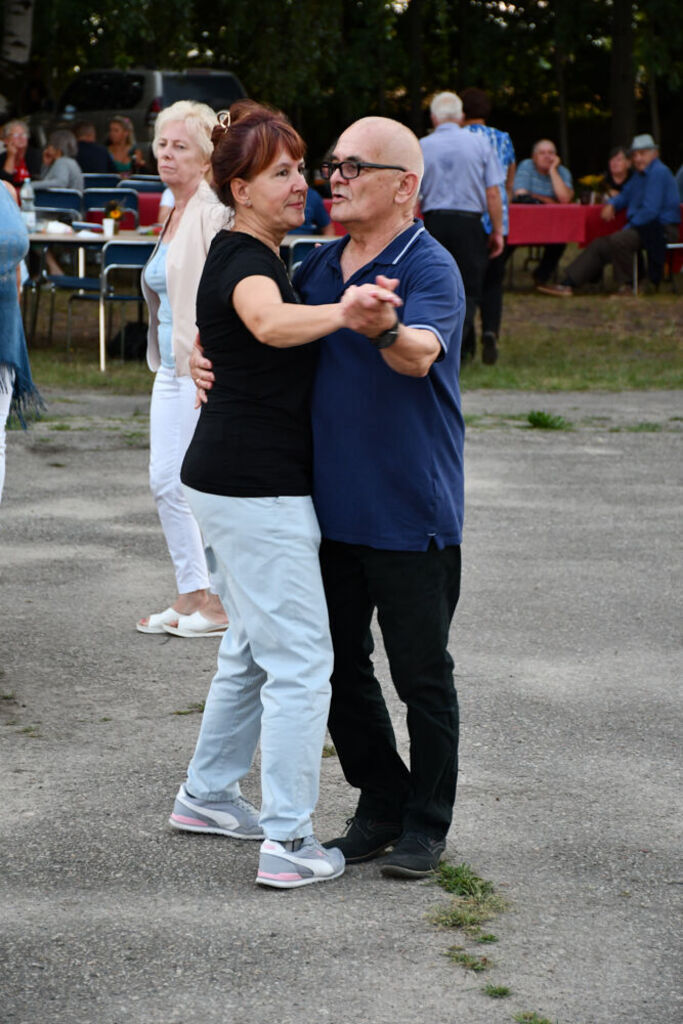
x=219, y=91
x=104, y=90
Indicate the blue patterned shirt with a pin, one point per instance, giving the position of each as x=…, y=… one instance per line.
x=502, y=143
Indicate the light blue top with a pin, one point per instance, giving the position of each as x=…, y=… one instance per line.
x=502, y=143
x=527, y=177
x=459, y=167
x=155, y=278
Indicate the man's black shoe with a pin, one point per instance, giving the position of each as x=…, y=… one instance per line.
x=489, y=348
x=415, y=856
x=365, y=838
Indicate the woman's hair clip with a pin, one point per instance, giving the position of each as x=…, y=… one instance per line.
x=224, y=119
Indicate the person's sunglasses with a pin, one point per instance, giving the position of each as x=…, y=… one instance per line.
x=350, y=169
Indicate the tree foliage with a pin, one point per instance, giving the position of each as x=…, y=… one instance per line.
x=553, y=66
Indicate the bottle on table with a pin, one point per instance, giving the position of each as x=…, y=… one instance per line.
x=28, y=208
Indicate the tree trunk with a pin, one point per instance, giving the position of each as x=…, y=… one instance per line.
x=622, y=74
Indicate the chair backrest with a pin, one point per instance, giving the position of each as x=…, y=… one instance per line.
x=59, y=199
x=93, y=180
x=120, y=254
x=97, y=198
x=148, y=185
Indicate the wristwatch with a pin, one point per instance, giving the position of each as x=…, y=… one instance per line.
x=387, y=338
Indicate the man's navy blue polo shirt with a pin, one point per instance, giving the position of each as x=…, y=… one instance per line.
x=388, y=448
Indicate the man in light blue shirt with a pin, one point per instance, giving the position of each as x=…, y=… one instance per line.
x=543, y=179
x=653, y=214
x=462, y=180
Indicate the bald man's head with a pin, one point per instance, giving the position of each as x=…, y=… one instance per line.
x=383, y=140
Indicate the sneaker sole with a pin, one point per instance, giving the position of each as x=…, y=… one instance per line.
x=195, y=825
x=397, y=871
x=291, y=883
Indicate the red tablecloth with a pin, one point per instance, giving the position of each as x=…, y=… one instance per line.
x=559, y=222
x=556, y=222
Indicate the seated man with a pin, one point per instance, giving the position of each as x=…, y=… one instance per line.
x=653, y=214
x=91, y=156
x=545, y=180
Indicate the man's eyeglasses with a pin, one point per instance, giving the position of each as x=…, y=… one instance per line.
x=350, y=169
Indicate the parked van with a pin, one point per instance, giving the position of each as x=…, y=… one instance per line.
x=138, y=93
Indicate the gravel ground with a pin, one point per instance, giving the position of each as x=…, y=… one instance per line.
x=568, y=659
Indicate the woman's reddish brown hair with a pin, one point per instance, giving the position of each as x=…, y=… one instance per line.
x=250, y=144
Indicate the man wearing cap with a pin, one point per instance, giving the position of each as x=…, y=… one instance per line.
x=462, y=180
x=653, y=214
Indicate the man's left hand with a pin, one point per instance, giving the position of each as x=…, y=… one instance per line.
x=608, y=212
x=496, y=244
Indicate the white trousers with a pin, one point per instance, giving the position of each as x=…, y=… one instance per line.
x=6, y=385
x=274, y=663
x=172, y=420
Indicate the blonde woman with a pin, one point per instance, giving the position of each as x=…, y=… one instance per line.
x=182, y=145
x=121, y=145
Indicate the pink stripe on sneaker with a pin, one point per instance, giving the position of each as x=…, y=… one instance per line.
x=282, y=876
x=189, y=821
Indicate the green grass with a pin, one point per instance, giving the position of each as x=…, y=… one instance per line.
x=474, y=900
x=496, y=991
x=541, y=420
x=592, y=342
x=530, y=1018
x=471, y=963
x=461, y=880
x=329, y=750
x=52, y=369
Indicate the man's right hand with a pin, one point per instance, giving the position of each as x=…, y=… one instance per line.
x=201, y=372
x=607, y=212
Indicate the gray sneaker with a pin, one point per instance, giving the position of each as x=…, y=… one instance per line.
x=298, y=862
x=237, y=818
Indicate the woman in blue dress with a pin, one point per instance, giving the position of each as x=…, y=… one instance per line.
x=18, y=395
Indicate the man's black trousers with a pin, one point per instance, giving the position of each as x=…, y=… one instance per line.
x=415, y=594
x=462, y=234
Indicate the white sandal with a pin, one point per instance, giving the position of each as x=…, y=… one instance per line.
x=156, y=623
x=195, y=625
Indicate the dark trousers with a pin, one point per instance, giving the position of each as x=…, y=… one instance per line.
x=415, y=594
x=552, y=254
x=617, y=249
x=492, y=295
x=464, y=237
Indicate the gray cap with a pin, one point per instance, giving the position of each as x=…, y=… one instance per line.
x=644, y=142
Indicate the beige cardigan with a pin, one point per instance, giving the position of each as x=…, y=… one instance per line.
x=204, y=216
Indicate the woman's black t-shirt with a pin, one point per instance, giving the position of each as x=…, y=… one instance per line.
x=253, y=437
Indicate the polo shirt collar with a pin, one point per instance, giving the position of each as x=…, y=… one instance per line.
x=391, y=255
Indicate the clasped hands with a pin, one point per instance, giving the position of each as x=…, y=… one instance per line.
x=366, y=308
x=370, y=309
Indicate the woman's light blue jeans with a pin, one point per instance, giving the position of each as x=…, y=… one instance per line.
x=274, y=662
